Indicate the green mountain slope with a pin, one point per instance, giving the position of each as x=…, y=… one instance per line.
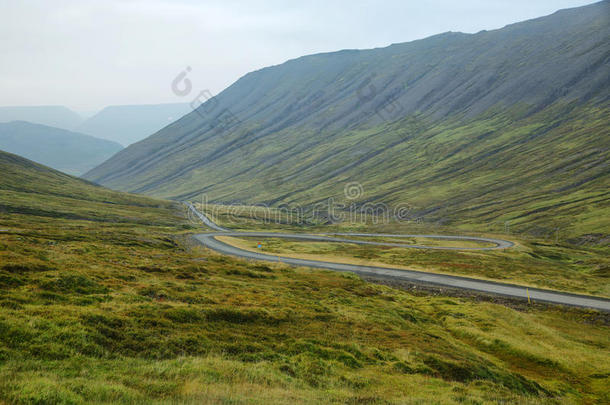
x=30, y=188
x=506, y=125
x=70, y=152
x=127, y=124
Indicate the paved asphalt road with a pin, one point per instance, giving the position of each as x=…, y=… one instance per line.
x=489, y=287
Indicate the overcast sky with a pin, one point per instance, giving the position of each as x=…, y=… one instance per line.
x=86, y=54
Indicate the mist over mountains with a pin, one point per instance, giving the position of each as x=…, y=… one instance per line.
x=67, y=151
x=124, y=124
x=62, y=139
x=127, y=124
x=53, y=116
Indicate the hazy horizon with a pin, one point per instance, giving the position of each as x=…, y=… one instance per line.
x=130, y=52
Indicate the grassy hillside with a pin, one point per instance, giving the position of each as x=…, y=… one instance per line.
x=505, y=125
x=551, y=263
x=542, y=175
x=70, y=152
x=103, y=300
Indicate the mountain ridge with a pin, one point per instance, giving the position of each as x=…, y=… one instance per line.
x=330, y=115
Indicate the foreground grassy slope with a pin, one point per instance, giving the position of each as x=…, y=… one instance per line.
x=30, y=188
x=103, y=301
x=505, y=125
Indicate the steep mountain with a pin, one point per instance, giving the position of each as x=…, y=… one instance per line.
x=510, y=125
x=127, y=124
x=54, y=116
x=70, y=152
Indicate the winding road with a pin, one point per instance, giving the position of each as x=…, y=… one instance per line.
x=489, y=287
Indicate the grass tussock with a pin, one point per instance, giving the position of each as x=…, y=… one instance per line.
x=121, y=310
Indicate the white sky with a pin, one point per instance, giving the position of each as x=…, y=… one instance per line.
x=86, y=54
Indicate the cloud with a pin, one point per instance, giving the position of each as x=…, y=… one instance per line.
x=87, y=54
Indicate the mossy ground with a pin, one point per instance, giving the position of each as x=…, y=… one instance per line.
x=103, y=299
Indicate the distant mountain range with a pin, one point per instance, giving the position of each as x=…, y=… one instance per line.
x=127, y=124
x=53, y=116
x=498, y=127
x=124, y=124
x=70, y=152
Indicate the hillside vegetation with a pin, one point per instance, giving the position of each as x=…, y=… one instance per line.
x=580, y=266
x=509, y=125
x=103, y=300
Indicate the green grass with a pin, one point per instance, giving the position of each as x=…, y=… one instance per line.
x=104, y=299
x=537, y=262
x=542, y=173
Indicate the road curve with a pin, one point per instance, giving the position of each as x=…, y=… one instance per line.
x=508, y=290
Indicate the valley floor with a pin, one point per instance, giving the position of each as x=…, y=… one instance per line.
x=555, y=264
x=105, y=300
